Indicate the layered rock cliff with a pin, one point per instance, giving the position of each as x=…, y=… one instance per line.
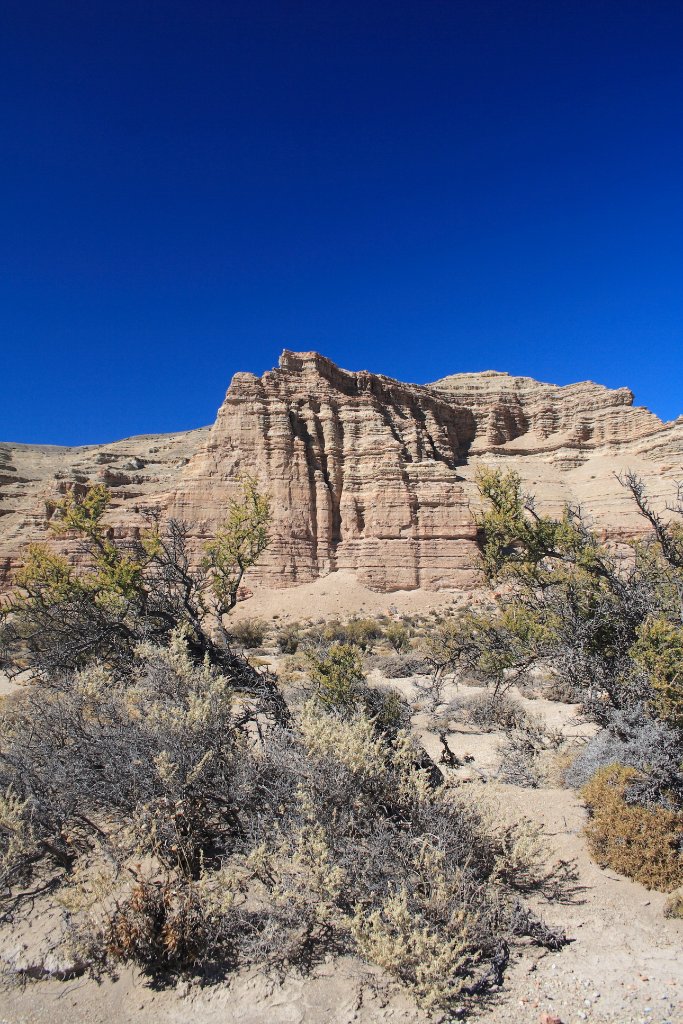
x=365, y=473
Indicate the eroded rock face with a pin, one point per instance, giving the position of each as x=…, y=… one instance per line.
x=362, y=471
x=365, y=473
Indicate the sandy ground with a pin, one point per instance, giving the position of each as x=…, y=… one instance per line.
x=340, y=594
x=6, y=686
x=623, y=964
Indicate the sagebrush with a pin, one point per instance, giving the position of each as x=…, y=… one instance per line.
x=233, y=839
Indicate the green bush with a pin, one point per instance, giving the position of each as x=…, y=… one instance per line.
x=398, y=635
x=659, y=649
x=338, y=676
x=341, y=686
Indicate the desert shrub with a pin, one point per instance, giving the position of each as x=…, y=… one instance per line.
x=323, y=634
x=603, y=627
x=398, y=635
x=489, y=711
x=361, y=632
x=288, y=638
x=191, y=821
x=293, y=669
x=249, y=633
x=404, y=944
x=61, y=618
x=644, y=844
x=18, y=842
x=160, y=926
x=399, y=666
x=674, y=904
x=340, y=685
x=338, y=675
x=637, y=741
x=526, y=751
x=232, y=839
x=163, y=922
x=441, y=646
x=552, y=687
x=659, y=649
x=606, y=627
x=367, y=850
x=154, y=748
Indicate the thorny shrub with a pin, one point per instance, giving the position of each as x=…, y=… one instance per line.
x=528, y=751
x=634, y=740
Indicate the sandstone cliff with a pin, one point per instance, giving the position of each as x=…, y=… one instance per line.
x=365, y=473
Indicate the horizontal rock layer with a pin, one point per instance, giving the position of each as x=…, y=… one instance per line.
x=365, y=473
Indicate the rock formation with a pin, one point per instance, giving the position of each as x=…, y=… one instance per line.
x=365, y=473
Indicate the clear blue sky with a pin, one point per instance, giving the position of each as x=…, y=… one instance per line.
x=415, y=188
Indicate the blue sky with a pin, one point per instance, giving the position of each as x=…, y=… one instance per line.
x=413, y=188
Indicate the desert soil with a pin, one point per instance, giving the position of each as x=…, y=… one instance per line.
x=623, y=964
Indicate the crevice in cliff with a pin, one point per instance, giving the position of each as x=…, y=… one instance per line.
x=300, y=431
x=319, y=469
x=324, y=460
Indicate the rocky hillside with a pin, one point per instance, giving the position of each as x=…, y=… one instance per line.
x=365, y=473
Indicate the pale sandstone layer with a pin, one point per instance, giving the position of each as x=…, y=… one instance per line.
x=365, y=473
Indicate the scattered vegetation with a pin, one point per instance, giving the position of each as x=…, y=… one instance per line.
x=218, y=845
x=361, y=632
x=605, y=629
x=190, y=821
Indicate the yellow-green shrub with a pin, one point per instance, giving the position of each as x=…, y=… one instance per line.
x=659, y=649
x=338, y=675
x=398, y=636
